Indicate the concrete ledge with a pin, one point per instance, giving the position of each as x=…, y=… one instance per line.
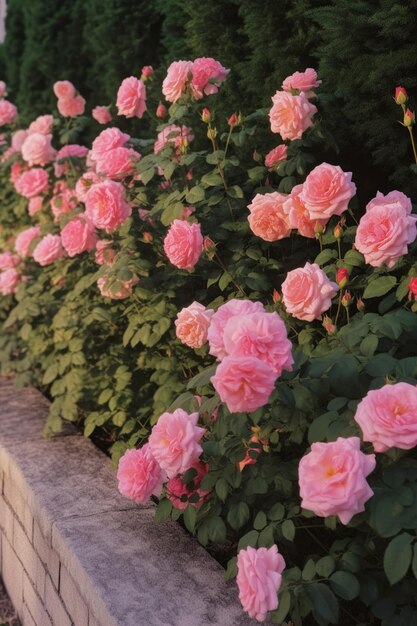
x=76, y=553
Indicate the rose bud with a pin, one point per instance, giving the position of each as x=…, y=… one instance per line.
x=401, y=95
x=342, y=277
x=234, y=120
x=276, y=296
x=161, y=111
x=328, y=325
x=206, y=115
x=346, y=299
x=338, y=231
x=360, y=305
x=412, y=289
x=409, y=118
x=147, y=72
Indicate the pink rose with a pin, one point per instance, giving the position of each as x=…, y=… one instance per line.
x=102, y=115
x=259, y=579
x=63, y=200
x=176, y=80
x=275, y=156
x=118, y=163
x=35, y=205
x=78, y=236
x=72, y=107
x=139, y=475
x=106, y=206
x=244, y=384
x=9, y=281
x=48, y=250
x=84, y=183
x=392, y=200
x=3, y=89
x=262, y=335
x=219, y=320
x=178, y=492
x=116, y=289
x=32, y=182
x=107, y=140
x=332, y=478
x=43, y=124
x=307, y=292
x=16, y=169
x=8, y=112
x=175, y=441
x=61, y=166
x=327, y=191
x=37, y=149
x=131, y=98
x=192, y=324
x=388, y=417
x=105, y=254
x=302, y=81
x=297, y=215
x=24, y=240
x=174, y=136
x=291, y=115
x=267, y=219
x=64, y=90
x=183, y=244
x=8, y=260
x=208, y=74
x=18, y=139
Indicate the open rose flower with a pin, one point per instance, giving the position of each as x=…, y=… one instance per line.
x=327, y=191
x=107, y=140
x=35, y=205
x=24, y=240
x=9, y=281
x=275, y=156
x=78, y=236
x=72, y=107
x=106, y=206
x=43, y=124
x=183, y=244
x=63, y=200
x=105, y=254
x=179, y=493
x=290, y=115
x=32, y=182
x=173, y=136
x=267, y=219
x=101, y=114
x=131, y=98
x=8, y=260
x=307, y=292
x=176, y=80
x=219, y=320
x=18, y=139
x=302, y=81
x=8, y=113
x=37, y=149
x=192, y=324
x=116, y=289
x=207, y=75
x=139, y=475
x=64, y=90
x=118, y=163
x=298, y=216
x=48, y=250
x=332, y=478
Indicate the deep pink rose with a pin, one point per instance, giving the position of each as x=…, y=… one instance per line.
x=131, y=98
x=18, y=139
x=118, y=163
x=43, y=124
x=24, y=240
x=267, y=219
x=219, y=320
x=175, y=441
x=388, y=417
x=139, y=475
x=106, y=206
x=332, y=478
x=244, y=384
x=208, y=75
x=8, y=260
x=9, y=281
x=275, y=156
x=101, y=114
x=297, y=215
x=327, y=191
x=291, y=115
x=183, y=244
x=259, y=579
x=72, y=107
x=64, y=90
x=32, y=182
x=48, y=250
x=78, y=236
x=302, y=81
x=173, y=136
x=105, y=254
x=37, y=149
x=116, y=289
x=8, y=112
x=84, y=183
x=307, y=292
x=178, y=492
x=176, y=80
x=107, y=140
x=35, y=205
x=192, y=324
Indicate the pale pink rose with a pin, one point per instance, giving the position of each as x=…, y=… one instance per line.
x=72, y=107
x=63, y=200
x=64, y=89
x=244, y=384
x=175, y=441
x=107, y=140
x=327, y=191
x=267, y=219
x=9, y=281
x=219, y=320
x=116, y=289
x=192, y=324
x=307, y=292
x=297, y=215
x=392, y=200
x=173, y=136
x=208, y=75
x=384, y=233
x=176, y=80
x=25, y=239
x=105, y=254
x=183, y=244
x=48, y=250
x=139, y=475
x=18, y=139
x=302, y=81
x=259, y=579
x=8, y=112
x=178, y=492
x=131, y=98
x=8, y=260
x=275, y=156
x=118, y=163
x=35, y=205
x=106, y=206
x=32, y=182
x=16, y=169
x=3, y=89
x=291, y=115
x=43, y=124
x=37, y=149
x=85, y=183
x=388, y=417
x=332, y=478
x=260, y=334
x=78, y=236
x=102, y=115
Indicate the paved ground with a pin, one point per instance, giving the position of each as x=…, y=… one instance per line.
x=7, y=612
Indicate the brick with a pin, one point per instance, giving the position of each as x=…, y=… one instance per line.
x=73, y=601
x=12, y=574
x=46, y=554
x=54, y=605
x=16, y=501
x=6, y=519
x=30, y=560
x=34, y=604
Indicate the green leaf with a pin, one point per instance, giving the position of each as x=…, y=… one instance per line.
x=203, y=378
x=105, y=395
x=345, y=584
x=276, y=512
x=250, y=539
x=379, y=287
x=325, y=256
x=369, y=345
x=195, y=194
x=238, y=514
x=235, y=192
x=288, y=529
x=325, y=566
x=163, y=510
x=354, y=258
x=50, y=374
x=325, y=604
x=309, y=570
x=414, y=563
x=222, y=489
x=225, y=280
x=190, y=517
x=231, y=570
x=284, y=605
x=397, y=557
x=260, y=521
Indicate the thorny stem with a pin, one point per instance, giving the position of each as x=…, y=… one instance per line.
x=339, y=248
x=410, y=130
x=224, y=268
x=339, y=304
x=227, y=143
x=221, y=172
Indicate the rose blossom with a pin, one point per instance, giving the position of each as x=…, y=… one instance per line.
x=392, y=200
x=48, y=250
x=108, y=139
x=267, y=219
x=64, y=89
x=175, y=82
x=244, y=383
x=69, y=151
x=106, y=206
x=72, y=107
x=175, y=441
x=8, y=112
x=8, y=260
x=118, y=163
x=18, y=139
x=139, y=475
x=332, y=478
x=192, y=324
x=178, y=492
x=131, y=98
x=291, y=115
x=35, y=205
x=101, y=114
x=32, y=182
x=219, y=320
x=16, y=169
x=105, y=254
x=275, y=156
x=37, y=149
x=78, y=236
x=173, y=136
x=63, y=200
x=85, y=183
x=388, y=417
x=43, y=124
x=183, y=244
x=327, y=191
x=208, y=74
x=9, y=281
x=302, y=81
x=116, y=289
x=259, y=579
x=24, y=240
x=307, y=292
x=297, y=215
